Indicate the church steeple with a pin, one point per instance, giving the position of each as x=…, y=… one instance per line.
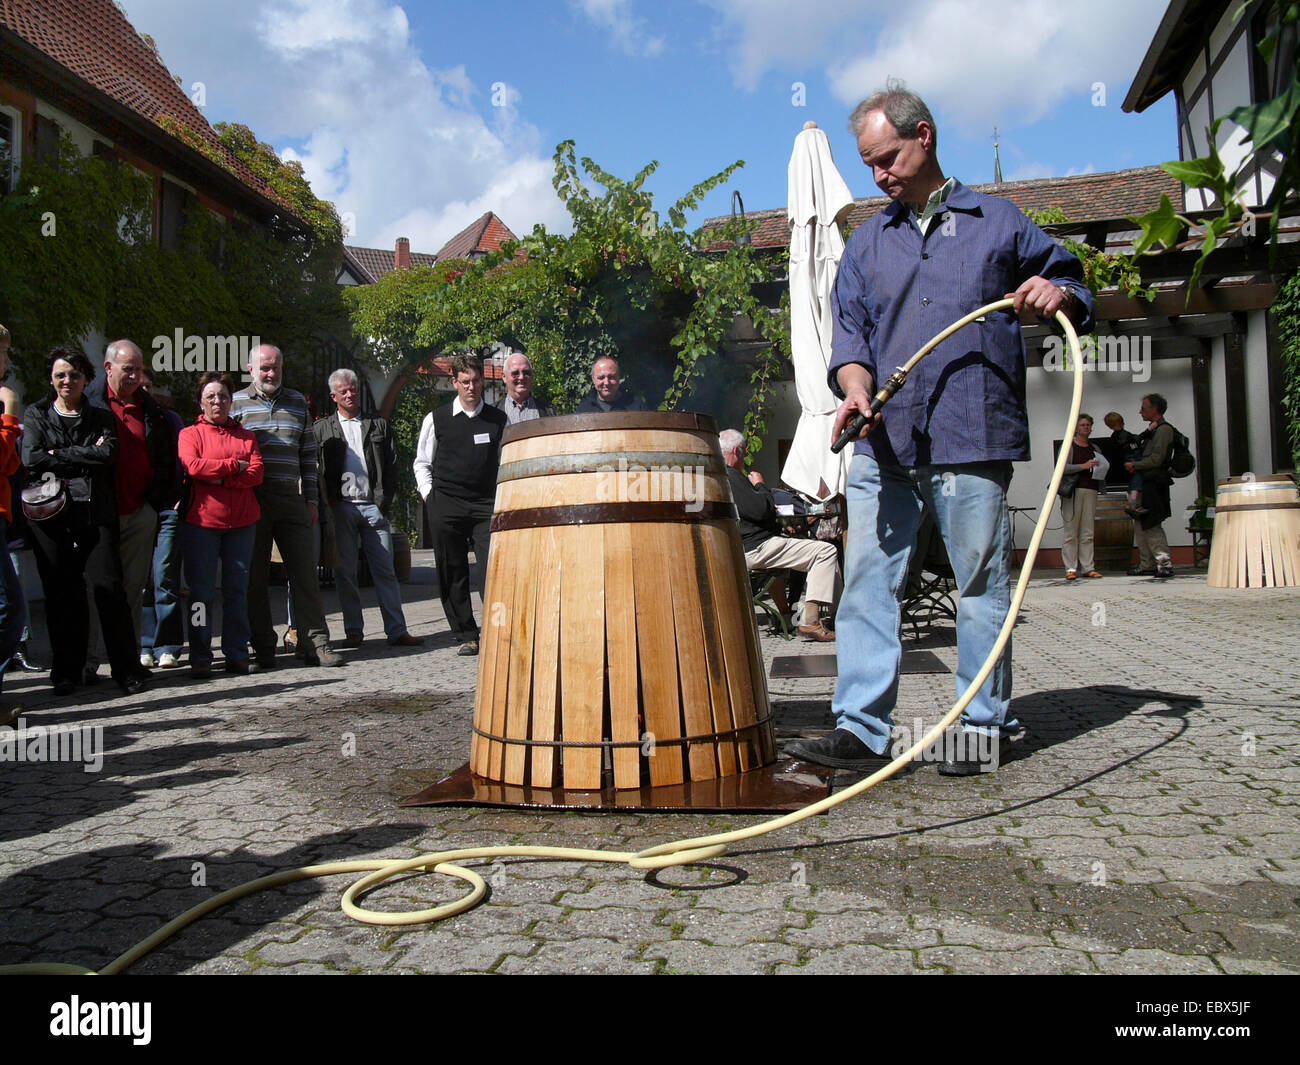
x=997, y=161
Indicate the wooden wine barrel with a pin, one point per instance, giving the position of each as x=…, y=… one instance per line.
x=1112, y=534
x=1256, y=533
x=618, y=643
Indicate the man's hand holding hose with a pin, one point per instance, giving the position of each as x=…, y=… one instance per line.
x=859, y=387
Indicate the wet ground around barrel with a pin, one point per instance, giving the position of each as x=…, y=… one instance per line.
x=1146, y=823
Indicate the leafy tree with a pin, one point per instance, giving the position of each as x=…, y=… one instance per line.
x=627, y=282
x=77, y=255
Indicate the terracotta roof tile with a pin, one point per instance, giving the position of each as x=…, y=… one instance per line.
x=94, y=41
x=380, y=261
x=1115, y=194
x=440, y=366
x=485, y=233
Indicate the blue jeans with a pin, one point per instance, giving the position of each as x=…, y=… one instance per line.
x=162, y=627
x=202, y=548
x=969, y=504
x=361, y=524
x=13, y=608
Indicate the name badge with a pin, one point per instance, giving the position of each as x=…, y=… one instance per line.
x=482, y=438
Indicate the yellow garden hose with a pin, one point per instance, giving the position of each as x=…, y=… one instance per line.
x=678, y=852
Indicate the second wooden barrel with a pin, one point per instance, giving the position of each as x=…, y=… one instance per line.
x=1256, y=533
x=618, y=642
x=1112, y=533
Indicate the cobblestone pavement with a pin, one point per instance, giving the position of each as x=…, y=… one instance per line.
x=1147, y=824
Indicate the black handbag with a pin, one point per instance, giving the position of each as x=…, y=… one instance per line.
x=1068, y=484
x=44, y=499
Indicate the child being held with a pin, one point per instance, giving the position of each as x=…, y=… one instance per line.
x=1131, y=449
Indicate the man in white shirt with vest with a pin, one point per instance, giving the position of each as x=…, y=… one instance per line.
x=456, y=472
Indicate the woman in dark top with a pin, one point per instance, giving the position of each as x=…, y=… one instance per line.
x=65, y=437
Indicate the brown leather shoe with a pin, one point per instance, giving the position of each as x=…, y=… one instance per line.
x=1092, y=573
x=407, y=640
x=818, y=632
x=1070, y=575
x=354, y=640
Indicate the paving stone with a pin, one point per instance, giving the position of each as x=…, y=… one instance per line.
x=1026, y=960
x=448, y=952
x=601, y=956
x=886, y=930
x=1143, y=962
x=958, y=931
x=854, y=958
x=691, y=956
x=1200, y=843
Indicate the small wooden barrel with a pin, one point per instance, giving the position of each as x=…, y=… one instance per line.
x=1256, y=533
x=1112, y=534
x=618, y=643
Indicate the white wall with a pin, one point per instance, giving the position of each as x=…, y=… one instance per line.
x=82, y=136
x=1219, y=405
x=781, y=424
x=1049, y=394
x=1258, y=418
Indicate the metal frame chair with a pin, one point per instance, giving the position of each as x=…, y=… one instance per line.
x=760, y=586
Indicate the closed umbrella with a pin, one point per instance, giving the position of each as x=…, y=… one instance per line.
x=819, y=200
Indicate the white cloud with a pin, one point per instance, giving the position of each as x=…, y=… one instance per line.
x=627, y=29
x=1030, y=172
x=975, y=62
x=777, y=33
x=403, y=146
x=306, y=25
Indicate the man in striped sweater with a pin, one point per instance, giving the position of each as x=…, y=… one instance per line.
x=279, y=418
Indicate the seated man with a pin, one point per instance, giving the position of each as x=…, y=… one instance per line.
x=764, y=549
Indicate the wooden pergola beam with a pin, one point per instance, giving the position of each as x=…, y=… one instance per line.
x=1218, y=300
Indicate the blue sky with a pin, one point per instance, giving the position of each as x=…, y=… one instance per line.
x=415, y=118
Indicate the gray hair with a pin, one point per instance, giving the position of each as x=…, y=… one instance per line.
x=516, y=355
x=265, y=347
x=904, y=109
x=344, y=374
x=731, y=440
x=121, y=347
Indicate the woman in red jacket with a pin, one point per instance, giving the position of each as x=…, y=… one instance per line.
x=224, y=465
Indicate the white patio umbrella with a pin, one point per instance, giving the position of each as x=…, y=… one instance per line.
x=819, y=200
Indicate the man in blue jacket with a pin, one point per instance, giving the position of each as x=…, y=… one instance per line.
x=947, y=440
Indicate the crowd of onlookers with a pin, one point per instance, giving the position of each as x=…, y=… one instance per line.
x=124, y=507
x=132, y=516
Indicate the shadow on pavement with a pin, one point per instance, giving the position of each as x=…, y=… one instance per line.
x=60, y=911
